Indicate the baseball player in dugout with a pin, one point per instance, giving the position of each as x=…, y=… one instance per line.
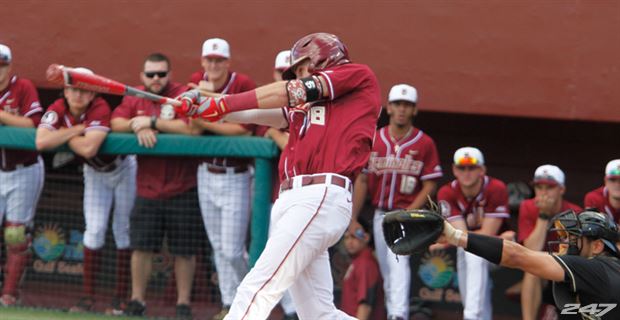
x=607, y=197
x=534, y=220
x=332, y=106
x=21, y=175
x=82, y=120
x=166, y=205
x=224, y=183
x=477, y=203
x=402, y=172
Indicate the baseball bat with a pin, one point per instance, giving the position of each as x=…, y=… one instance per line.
x=66, y=76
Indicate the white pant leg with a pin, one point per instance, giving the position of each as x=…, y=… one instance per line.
x=395, y=270
x=233, y=199
x=124, y=199
x=287, y=304
x=98, y=196
x=307, y=221
x=21, y=190
x=474, y=285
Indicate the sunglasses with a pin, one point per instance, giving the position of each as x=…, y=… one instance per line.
x=161, y=74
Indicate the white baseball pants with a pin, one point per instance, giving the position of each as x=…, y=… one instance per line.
x=474, y=285
x=19, y=192
x=101, y=189
x=395, y=271
x=305, y=222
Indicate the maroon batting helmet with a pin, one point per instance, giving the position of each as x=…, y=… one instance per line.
x=323, y=49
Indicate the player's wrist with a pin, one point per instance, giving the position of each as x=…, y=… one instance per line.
x=154, y=122
x=544, y=216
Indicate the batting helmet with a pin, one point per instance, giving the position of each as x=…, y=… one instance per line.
x=589, y=223
x=323, y=49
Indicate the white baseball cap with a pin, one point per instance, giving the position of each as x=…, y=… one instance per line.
x=403, y=92
x=612, y=169
x=549, y=174
x=468, y=156
x=5, y=54
x=283, y=60
x=216, y=47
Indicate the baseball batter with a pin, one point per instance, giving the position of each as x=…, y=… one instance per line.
x=401, y=174
x=332, y=110
x=21, y=175
x=478, y=203
x=224, y=183
x=83, y=121
x=607, y=197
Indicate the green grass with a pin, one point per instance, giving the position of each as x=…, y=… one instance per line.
x=11, y=313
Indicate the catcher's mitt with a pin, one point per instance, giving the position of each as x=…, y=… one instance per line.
x=411, y=231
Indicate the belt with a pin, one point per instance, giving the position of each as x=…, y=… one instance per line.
x=220, y=170
x=316, y=179
x=111, y=166
x=16, y=166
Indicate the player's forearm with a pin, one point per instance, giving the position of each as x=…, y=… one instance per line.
x=15, y=121
x=279, y=137
x=173, y=126
x=48, y=139
x=490, y=226
x=428, y=186
x=121, y=125
x=360, y=189
x=363, y=311
x=273, y=95
x=82, y=146
x=536, y=239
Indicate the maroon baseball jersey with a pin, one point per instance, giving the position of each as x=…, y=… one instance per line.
x=491, y=201
x=159, y=177
x=96, y=117
x=20, y=98
x=396, y=169
x=334, y=135
x=363, y=284
x=528, y=214
x=599, y=198
x=235, y=83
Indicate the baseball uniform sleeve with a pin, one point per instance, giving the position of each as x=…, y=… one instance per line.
x=527, y=220
x=126, y=109
x=586, y=275
x=432, y=166
x=29, y=104
x=591, y=200
x=497, y=204
x=53, y=117
x=447, y=204
x=196, y=77
x=98, y=117
x=346, y=78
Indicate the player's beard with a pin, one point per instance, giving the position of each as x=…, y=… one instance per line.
x=156, y=87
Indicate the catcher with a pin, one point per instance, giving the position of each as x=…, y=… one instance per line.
x=585, y=274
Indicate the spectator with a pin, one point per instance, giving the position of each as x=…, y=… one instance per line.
x=402, y=172
x=82, y=120
x=607, y=198
x=476, y=203
x=362, y=288
x=166, y=205
x=20, y=171
x=534, y=217
x=224, y=183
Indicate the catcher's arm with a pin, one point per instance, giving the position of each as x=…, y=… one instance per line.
x=505, y=253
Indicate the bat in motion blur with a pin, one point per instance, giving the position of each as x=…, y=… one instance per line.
x=67, y=76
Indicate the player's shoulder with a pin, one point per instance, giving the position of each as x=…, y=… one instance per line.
x=243, y=78
x=495, y=184
x=567, y=205
x=358, y=68
x=20, y=83
x=58, y=106
x=449, y=190
x=174, y=89
x=527, y=206
x=596, y=194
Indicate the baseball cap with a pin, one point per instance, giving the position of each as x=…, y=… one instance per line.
x=5, y=54
x=468, y=156
x=283, y=60
x=612, y=169
x=403, y=92
x=216, y=47
x=548, y=174
x=83, y=70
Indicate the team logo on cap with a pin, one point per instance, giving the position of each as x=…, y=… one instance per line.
x=404, y=93
x=215, y=46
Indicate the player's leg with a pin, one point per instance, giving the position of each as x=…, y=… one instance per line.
x=531, y=296
x=124, y=199
x=21, y=200
x=476, y=301
x=235, y=217
x=461, y=268
x=308, y=221
x=98, y=196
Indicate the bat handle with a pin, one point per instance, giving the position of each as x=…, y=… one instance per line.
x=171, y=101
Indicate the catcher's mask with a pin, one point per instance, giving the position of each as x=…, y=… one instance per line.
x=570, y=228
